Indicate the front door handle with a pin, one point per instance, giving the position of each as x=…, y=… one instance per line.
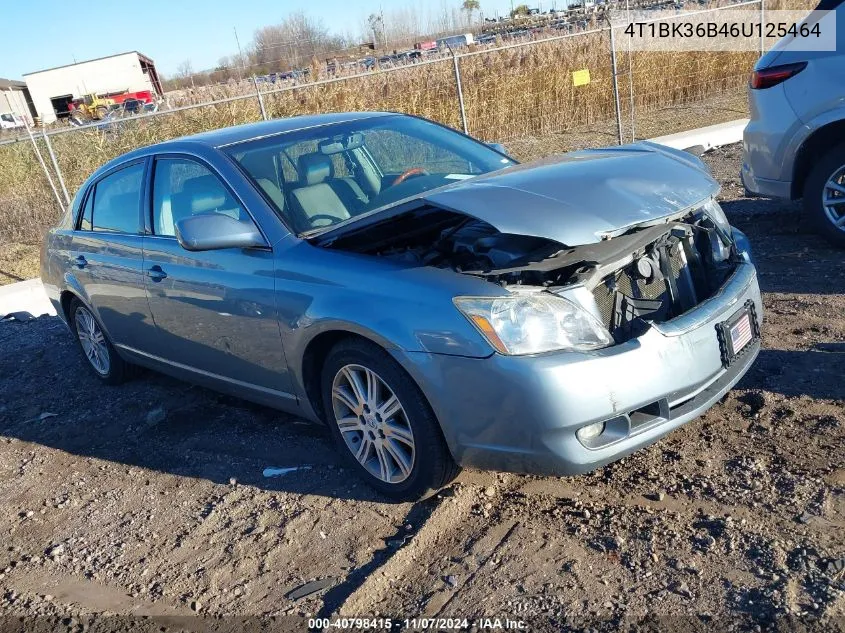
x=156, y=273
x=81, y=262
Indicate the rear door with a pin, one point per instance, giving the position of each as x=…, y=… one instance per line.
x=107, y=256
x=214, y=310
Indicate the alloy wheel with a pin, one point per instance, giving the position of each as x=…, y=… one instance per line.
x=92, y=340
x=373, y=423
x=833, y=198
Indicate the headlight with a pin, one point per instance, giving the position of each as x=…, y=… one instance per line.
x=532, y=323
x=720, y=245
x=713, y=211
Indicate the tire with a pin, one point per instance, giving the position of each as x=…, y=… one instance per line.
x=817, y=186
x=397, y=468
x=101, y=112
x=104, y=362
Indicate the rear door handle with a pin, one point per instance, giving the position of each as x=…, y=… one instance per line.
x=156, y=273
x=81, y=262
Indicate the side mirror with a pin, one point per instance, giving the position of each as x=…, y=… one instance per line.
x=499, y=148
x=213, y=231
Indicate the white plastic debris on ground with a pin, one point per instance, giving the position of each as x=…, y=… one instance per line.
x=278, y=472
x=705, y=138
x=25, y=300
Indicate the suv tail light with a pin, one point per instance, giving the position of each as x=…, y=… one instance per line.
x=768, y=77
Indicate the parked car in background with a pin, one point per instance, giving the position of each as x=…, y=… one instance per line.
x=794, y=144
x=11, y=121
x=430, y=300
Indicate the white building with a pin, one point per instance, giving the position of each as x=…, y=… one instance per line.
x=14, y=99
x=53, y=89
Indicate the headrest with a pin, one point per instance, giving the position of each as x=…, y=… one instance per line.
x=259, y=164
x=204, y=194
x=314, y=168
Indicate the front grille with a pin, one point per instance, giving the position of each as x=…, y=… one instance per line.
x=627, y=298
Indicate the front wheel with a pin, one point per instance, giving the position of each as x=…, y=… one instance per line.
x=383, y=424
x=824, y=195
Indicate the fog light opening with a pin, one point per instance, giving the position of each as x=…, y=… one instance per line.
x=590, y=432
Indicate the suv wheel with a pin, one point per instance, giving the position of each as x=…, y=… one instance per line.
x=383, y=424
x=99, y=353
x=824, y=195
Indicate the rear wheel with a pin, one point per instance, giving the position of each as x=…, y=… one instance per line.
x=383, y=424
x=99, y=353
x=824, y=195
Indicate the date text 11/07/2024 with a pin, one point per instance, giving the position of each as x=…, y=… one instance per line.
x=419, y=624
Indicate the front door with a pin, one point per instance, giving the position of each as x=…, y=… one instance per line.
x=214, y=310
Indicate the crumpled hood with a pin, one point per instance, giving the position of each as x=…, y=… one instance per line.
x=577, y=198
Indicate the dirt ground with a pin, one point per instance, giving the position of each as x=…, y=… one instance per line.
x=144, y=507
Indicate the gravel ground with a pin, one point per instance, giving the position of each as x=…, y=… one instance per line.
x=143, y=506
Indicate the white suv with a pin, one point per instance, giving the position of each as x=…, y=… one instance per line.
x=794, y=145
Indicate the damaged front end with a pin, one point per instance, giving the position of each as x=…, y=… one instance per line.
x=648, y=273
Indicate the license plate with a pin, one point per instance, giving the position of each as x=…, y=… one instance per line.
x=737, y=333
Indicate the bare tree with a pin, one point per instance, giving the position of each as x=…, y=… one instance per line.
x=292, y=43
x=520, y=10
x=470, y=6
x=376, y=23
x=185, y=69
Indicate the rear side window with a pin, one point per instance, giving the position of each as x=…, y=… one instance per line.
x=117, y=201
x=87, y=214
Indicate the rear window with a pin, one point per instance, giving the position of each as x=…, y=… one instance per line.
x=117, y=201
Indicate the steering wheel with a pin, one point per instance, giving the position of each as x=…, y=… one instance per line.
x=409, y=173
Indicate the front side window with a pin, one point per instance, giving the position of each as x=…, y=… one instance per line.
x=117, y=201
x=321, y=176
x=182, y=188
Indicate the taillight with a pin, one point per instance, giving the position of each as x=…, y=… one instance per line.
x=768, y=77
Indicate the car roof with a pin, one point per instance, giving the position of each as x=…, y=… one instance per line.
x=251, y=131
x=236, y=134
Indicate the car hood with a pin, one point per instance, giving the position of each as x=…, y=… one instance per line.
x=582, y=197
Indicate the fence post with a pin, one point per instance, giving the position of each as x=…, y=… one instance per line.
x=260, y=99
x=615, y=85
x=460, y=90
x=631, y=77
x=44, y=167
x=55, y=163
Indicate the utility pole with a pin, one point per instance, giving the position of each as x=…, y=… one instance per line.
x=240, y=53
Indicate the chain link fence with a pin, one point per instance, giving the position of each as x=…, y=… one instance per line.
x=570, y=91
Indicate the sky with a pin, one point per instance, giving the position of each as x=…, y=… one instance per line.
x=170, y=31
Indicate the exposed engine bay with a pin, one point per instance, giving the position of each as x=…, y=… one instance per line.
x=652, y=272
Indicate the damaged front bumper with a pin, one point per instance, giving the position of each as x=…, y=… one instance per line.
x=521, y=414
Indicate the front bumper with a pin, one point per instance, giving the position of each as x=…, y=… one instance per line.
x=521, y=413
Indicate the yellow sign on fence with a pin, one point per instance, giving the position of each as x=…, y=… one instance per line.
x=581, y=77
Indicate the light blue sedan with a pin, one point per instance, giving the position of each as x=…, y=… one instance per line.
x=430, y=300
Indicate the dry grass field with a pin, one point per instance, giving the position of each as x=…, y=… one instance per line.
x=511, y=94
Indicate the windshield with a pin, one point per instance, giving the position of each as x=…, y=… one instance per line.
x=322, y=176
